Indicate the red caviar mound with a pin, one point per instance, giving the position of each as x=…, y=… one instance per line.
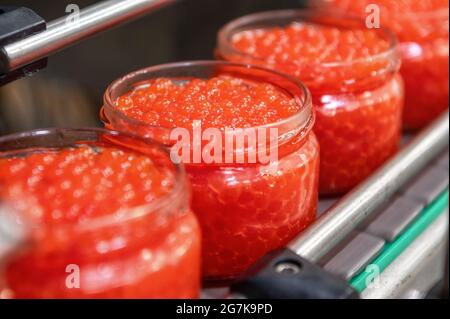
x=78, y=204
x=398, y=14
x=218, y=102
x=300, y=43
x=74, y=185
x=351, y=72
x=322, y=56
x=423, y=30
x=244, y=209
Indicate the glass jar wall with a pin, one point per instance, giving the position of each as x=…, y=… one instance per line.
x=101, y=215
x=245, y=208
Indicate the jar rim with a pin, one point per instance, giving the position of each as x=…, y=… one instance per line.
x=304, y=117
x=292, y=15
x=174, y=197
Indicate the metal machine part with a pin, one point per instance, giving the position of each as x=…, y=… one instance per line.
x=395, y=218
x=428, y=186
x=15, y=24
x=68, y=30
x=355, y=255
x=417, y=269
x=283, y=274
x=387, y=236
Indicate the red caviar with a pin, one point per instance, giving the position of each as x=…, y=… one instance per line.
x=351, y=72
x=423, y=30
x=243, y=210
x=290, y=48
x=63, y=194
x=218, y=102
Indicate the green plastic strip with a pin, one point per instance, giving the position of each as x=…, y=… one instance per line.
x=393, y=249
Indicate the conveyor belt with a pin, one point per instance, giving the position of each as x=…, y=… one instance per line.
x=396, y=225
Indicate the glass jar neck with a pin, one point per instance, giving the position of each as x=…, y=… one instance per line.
x=53, y=140
x=341, y=76
x=268, y=136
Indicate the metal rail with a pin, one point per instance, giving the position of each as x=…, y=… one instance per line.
x=68, y=30
x=417, y=269
x=353, y=208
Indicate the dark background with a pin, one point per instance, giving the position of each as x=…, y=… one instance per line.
x=68, y=93
x=185, y=30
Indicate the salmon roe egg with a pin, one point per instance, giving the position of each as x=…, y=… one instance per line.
x=220, y=102
x=72, y=185
x=301, y=43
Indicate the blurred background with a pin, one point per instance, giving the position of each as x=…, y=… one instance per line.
x=68, y=93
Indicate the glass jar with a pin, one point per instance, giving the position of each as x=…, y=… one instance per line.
x=422, y=28
x=358, y=102
x=245, y=209
x=76, y=199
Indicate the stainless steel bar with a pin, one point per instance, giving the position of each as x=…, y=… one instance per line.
x=353, y=208
x=417, y=269
x=68, y=30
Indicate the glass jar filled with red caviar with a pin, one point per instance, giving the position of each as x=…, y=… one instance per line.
x=352, y=73
x=100, y=215
x=254, y=194
x=422, y=28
